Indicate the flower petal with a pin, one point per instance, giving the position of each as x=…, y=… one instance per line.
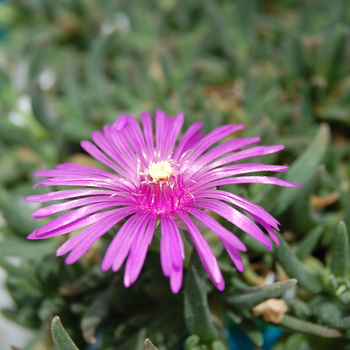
x=214, y=137
x=138, y=253
x=75, y=225
x=235, y=256
x=127, y=157
x=237, y=219
x=176, y=280
x=222, y=232
x=59, y=195
x=267, y=180
x=148, y=132
x=72, y=216
x=224, y=149
x=79, y=168
x=174, y=133
x=110, y=254
x=247, y=153
x=267, y=227
x=240, y=202
x=122, y=248
x=96, y=153
x=58, y=208
x=206, y=255
x=237, y=169
x=79, y=244
x=185, y=139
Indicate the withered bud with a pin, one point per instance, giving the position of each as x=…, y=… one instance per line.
x=271, y=310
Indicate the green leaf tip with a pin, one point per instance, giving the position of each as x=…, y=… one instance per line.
x=297, y=325
x=308, y=279
x=60, y=337
x=148, y=345
x=340, y=252
x=191, y=342
x=256, y=295
x=197, y=313
x=304, y=167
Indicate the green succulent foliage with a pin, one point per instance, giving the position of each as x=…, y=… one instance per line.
x=280, y=67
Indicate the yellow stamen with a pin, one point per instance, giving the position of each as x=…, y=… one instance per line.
x=160, y=170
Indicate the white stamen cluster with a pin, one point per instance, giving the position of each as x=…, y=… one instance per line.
x=160, y=171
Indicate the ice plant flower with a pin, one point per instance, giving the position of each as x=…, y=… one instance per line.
x=153, y=179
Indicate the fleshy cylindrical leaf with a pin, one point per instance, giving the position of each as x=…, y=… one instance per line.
x=340, y=253
x=60, y=337
x=197, y=313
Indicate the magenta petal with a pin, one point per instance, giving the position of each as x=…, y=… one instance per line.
x=148, y=132
x=122, y=248
x=109, y=256
x=121, y=122
x=103, y=219
x=79, y=169
x=205, y=253
x=218, y=229
x=192, y=144
x=267, y=180
x=173, y=252
x=177, y=238
x=223, y=149
x=135, y=135
x=174, y=133
x=68, y=176
x=160, y=134
x=127, y=157
x=107, y=144
x=221, y=285
x=268, y=228
x=215, y=136
x=138, y=253
x=176, y=280
x=58, y=208
x=240, y=202
x=136, y=139
x=102, y=142
x=237, y=169
x=247, y=153
x=185, y=138
x=74, y=215
x=165, y=248
x=82, y=242
x=59, y=195
x=78, y=172
x=235, y=257
x=237, y=219
x=75, y=225
x=96, y=153
x=77, y=182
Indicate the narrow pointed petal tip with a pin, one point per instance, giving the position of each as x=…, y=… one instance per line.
x=176, y=280
x=32, y=236
x=121, y=122
x=221, y=285
x=127, y=282
x=105, y=266
x=240, y=267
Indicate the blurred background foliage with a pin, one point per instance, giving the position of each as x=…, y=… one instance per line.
x=281, y=67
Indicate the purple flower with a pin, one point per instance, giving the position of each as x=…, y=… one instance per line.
x=154, y=180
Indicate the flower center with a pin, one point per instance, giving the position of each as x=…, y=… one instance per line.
x=160, y=170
